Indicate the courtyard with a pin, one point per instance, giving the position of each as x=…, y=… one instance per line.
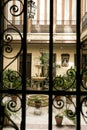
x=40, y=122
x=37, y=118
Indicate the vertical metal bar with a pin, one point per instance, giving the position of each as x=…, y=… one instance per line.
x=1, y=61
x=24, y=45
x=78, y=63
x=50, y=64
x=1, y=31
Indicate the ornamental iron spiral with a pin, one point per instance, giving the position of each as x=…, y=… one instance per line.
x=11, y=107
x=7, y=37
x=8, y=52
x=84, y=107
x=65, y=82
x=64, y=108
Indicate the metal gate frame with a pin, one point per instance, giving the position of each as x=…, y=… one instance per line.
x=78, y=92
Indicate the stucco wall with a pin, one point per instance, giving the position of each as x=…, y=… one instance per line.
x=58, y=50
x=35, y=51
x=11, y=59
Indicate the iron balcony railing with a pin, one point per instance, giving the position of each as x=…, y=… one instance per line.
x=42, y=26
x=84, y=21
x=44, y=22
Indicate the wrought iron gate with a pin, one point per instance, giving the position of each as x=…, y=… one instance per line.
x=78, y=76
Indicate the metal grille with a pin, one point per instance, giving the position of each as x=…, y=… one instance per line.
x=7, y=92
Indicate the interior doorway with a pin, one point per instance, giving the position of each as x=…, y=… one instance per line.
x=28, y=65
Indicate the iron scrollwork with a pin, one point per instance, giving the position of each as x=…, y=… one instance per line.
x=84, y=45
x=84, y=108
x=11, y=108
x=84, y=69
x=7, y=43
x=84, y=79
x=64, y=107
x=12, y=80
x=8, y=33
x=65, y=82
x=83, y=82
x=7, y=47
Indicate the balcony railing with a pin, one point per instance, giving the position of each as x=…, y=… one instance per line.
x=40, y=26
x=84, y=22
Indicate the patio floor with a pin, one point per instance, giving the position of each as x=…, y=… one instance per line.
x=40, y=122
x=37, y=119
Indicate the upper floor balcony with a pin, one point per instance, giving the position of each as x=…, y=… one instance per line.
x=84, y=21
x=84, y=27
x=63, y=31
x=65, y=26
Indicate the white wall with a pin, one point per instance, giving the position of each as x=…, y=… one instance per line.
x=11, y=57
x=35, y=50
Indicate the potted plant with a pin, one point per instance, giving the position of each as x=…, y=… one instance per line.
x=12, y=80
x=57, y=98
x=70, y=115
x=59, y=119
x=58, y=83
x=37, y=102
x=66, y=81
x=67, y=113
x=9, y=110
x=4, y=113
x=6, y=117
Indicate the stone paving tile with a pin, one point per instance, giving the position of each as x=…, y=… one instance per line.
x=45, y=127
x=40, y=122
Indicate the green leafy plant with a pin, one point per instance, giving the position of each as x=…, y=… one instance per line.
x=67, y=113
x=65, y=82
x=70, y=115
x=13, y=80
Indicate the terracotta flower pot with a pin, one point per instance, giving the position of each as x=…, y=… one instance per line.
x=59, y=120
x=14, y=98
x=57, y=98
x=6, y=121
x=37, y=104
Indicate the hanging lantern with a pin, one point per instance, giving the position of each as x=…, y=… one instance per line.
x=31, y=9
